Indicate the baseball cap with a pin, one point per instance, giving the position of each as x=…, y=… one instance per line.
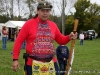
x=44, y=5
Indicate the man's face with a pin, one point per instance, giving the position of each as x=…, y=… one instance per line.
x=43, y=14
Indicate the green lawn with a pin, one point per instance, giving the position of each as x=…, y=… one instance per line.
x=86, y=59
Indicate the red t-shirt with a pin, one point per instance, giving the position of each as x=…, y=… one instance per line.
x=28, y=32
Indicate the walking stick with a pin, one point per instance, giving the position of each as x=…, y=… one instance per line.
x=69, y=63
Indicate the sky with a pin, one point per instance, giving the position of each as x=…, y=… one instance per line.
x=57, y=7
x=95, y=1
x=69, y=8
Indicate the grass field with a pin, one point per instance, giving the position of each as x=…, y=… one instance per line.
x=86, y=59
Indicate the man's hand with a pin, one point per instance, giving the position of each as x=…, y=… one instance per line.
x=15, y=65
x=64, y=59
x=73, y=35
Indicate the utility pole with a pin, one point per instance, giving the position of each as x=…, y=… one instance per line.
x=12, y=17
x=19, y=17
x=63, y=14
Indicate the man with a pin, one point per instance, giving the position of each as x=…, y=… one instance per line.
x=39, y=34
x=62, y=52
x=81, y=37
x=4, y=37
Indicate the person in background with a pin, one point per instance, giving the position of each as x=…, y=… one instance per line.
x=0, y=34
x=39, y=34
x=23, y=45
x=81, y=37
x=16, y=33
x=62, y=53
x=4, y=37
x=56, y=65
x=93, y=35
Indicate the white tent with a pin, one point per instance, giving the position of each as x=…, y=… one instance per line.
x=11, y=25
x=14, y=24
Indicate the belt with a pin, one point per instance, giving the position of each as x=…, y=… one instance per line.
x=26, y=55
x=41, y=59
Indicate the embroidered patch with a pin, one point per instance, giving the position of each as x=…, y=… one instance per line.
x=43, y=68
x=51, y=68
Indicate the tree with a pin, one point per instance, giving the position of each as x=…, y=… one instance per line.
x=64, y=5
x=31, y=6
x=81, y=6
x=69, y=24
x=19, y=17
x=3, y=19
x=93, y=15
x=1, y=7
x=57, y=20
x=6, y=9
x=11, y=9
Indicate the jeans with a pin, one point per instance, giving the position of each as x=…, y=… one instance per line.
x=23, y=45
x=57, y=68
x=81, y=42
x=4, y=42
x=62, y=68
x=29, y=69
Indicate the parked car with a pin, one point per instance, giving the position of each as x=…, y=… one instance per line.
x=91, y=34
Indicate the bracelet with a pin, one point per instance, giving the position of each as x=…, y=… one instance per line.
x=15, y=59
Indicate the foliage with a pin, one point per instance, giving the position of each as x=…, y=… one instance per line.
x=3, y=19
x=57, y=20
x=81, y=6
x=30, y=4
x=93, y=16
x=69, y=24
x=1, y=7
x=88, y=15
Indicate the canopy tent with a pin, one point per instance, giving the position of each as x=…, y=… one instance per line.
x=1, y=24
x=14, y=24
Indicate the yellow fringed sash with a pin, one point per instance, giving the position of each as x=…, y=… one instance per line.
x=43, y=68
